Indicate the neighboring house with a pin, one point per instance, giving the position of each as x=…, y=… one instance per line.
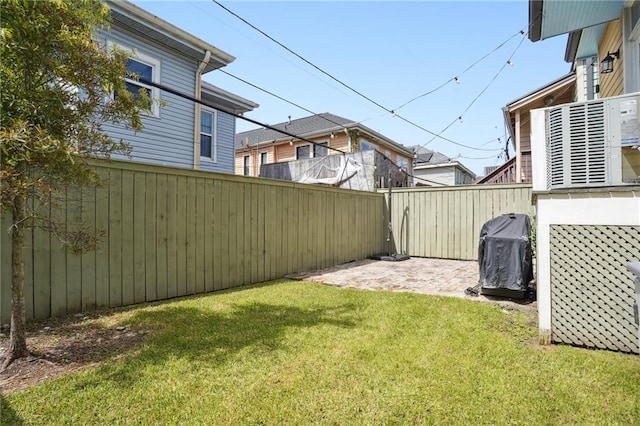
x=177, y=131
x=431, y=168
x=586, y=177
x=329, y=132
x=518, y=123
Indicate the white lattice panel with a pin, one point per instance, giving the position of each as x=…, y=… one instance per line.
x=592, y=293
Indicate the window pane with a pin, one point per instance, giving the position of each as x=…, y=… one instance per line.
x=321, y=150
x=143, y=70
x=365, y=146
x=136, y=90
x=246, y=165
x=205, y=146
x=206, y=122
x=302, y=152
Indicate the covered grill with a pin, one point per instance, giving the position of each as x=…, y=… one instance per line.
x=504, y=255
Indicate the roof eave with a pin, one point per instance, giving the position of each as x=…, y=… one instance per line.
x=348, y=126
x=535, y=19
x=238, y=103
x=161, y=26
x=541, y=91
x=573, y=41
x=440, y=165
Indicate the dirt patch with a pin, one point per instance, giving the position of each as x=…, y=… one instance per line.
x=61, y=346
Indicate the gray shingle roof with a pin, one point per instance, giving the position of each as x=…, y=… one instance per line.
x=428, y=157
x=301, y=126
x=319, y=124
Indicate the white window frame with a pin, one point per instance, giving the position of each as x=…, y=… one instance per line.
x=214, y=139
x=266, y=153
x=155, y=75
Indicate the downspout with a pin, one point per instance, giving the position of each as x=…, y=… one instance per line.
x=198, y=95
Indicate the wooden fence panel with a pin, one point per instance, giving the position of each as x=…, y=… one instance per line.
x=445, y=222
x=172, y=232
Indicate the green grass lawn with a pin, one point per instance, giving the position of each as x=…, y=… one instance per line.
x=299, y=353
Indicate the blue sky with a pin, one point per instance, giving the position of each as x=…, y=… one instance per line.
x=389, y=51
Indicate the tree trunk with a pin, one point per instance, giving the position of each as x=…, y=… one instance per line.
x=18, y=339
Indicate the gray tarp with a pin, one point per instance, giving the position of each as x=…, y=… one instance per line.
x=504, y=253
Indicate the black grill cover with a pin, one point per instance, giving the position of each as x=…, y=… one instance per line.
x=504, y=253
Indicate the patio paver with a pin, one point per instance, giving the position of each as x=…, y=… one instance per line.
x=443, y=277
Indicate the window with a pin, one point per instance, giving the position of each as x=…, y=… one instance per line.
x=264, y=159
x=321, y=150
x=207, y=135
x=403, y=163
x=366, y=146
x=145, y=68
x=303, y=152
x=246, y=165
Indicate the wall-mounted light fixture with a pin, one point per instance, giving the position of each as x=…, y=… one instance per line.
x=606, y=65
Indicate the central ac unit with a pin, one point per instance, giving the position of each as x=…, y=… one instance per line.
x=584, y=141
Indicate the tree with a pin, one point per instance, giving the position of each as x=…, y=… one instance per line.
x=58, y=85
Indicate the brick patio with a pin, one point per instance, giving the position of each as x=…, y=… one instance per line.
x=441, y=277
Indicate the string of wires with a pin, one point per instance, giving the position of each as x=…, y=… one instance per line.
x=390, y=111
x=473, y=101
x=457, y=77
x=193, y=99
x=250, y=120
x=258, y=123
x=197, y=61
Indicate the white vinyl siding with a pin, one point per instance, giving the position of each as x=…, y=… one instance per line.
x=168, y=138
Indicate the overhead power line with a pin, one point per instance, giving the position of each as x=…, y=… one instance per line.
x=256, y=122
x=390, y=111
x=300, y=56
x=250, y=120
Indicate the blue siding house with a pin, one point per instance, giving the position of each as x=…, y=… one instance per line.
x=177, y=131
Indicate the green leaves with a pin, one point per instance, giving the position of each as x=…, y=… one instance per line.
x=57, y=91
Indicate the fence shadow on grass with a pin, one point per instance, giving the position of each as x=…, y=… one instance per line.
x=202, y=335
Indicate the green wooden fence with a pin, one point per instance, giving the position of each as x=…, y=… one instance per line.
x=445, y=222
x=173, y=232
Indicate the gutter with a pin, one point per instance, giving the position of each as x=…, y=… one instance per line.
x=161, y=24
x=535, y=19
x=573, y=41
x=197, y=109
x=507, y=122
